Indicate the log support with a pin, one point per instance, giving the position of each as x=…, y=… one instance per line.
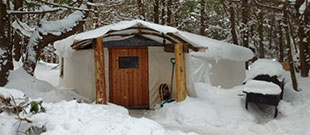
x=180, y=72
x=100, y=72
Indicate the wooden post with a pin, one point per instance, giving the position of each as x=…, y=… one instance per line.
x=101, y=97
x=180, y=72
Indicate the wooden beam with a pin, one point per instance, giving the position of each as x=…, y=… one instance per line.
x=180, y=72
x=183, y=41
x=170, y=48
x=101, y=97
x=133, y=28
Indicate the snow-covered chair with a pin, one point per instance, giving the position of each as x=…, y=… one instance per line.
x=265, y=84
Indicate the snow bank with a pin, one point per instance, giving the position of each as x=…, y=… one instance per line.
x=7, y=123
x=221, y=112
x=72, y=118
x=262, y=87
x=217, y=110
x=267, y=67
x=6, y=93
x=34, y=88
x=47, y=72
x=216, y=49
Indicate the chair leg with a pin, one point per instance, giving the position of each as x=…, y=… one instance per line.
x=246, y=102
x=276, y=112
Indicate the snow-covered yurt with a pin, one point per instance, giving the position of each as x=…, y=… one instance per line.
x=126, y=62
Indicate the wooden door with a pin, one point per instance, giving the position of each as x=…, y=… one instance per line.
x=128, y=75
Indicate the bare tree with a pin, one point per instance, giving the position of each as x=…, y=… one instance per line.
x=202, y=17
x=18, y=4
x=5, y=46
x=302, y=39
x=261, y=34
x=232, y=23
x=245, y=27
x=280, y=41
x=141, y=9
x=289, y=48
x=156, y=11
x=169, y=13
x=163, y=12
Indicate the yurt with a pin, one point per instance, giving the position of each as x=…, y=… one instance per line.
x=125, y=63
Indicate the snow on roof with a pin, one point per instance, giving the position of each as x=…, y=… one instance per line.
x=266, y=67
x=216, y=49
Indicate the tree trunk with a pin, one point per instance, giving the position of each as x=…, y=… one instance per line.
x=307, y=21
x=232, y=23
x=304, y=71
x=202, y=17
x=270, y=30
x=302, y=51
x=289, y=49
x=176, y=14
x=245, y=27
x=163, y=12
x=260, y=34
x=141, y=10
x=5, y=47
x=169, y=8
x=281, y=52
x=156, y=11
x=17, y=38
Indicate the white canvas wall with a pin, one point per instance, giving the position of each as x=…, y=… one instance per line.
x=226, y=73
x=79, y=73
x=160, y=71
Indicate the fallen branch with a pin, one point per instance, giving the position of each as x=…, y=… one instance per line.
x=23, y=119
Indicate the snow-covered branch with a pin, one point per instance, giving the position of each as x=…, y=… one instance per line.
x=23, y=28
x=267, y=6
x=68, y=7
x=33, y=12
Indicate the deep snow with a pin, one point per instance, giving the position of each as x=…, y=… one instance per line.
x=221, y=112
x=65, y=116
x=215, y=111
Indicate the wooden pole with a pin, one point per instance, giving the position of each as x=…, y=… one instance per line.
x=101, y=97
x=180, y=72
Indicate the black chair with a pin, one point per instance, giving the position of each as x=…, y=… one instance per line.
x=266, y=98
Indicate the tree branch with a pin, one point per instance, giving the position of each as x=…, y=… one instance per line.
x=68, y=7
x=267, y=6
x=15, y=12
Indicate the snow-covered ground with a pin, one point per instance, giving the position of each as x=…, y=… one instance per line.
x=215, y=111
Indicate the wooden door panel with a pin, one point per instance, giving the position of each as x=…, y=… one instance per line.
x=129, y=85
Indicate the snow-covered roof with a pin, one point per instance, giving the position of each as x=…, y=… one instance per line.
x=122, y=30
